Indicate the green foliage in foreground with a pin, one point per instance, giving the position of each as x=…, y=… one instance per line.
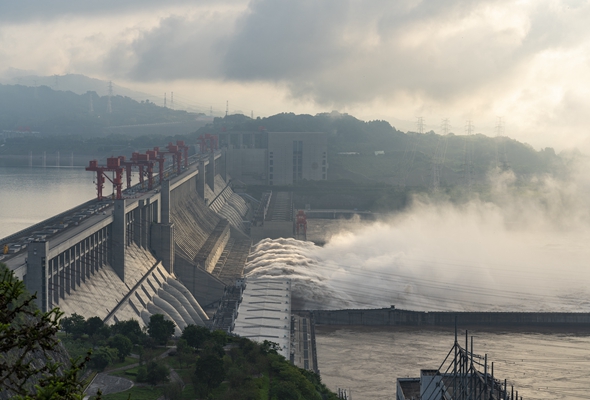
x=251, y=370
x=29, y=347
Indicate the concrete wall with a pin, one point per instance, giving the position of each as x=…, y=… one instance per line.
x=272, y=230
x=392, y=316
x=282, y=155
x=247, y=165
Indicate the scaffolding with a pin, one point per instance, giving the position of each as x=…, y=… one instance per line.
x=464, y=375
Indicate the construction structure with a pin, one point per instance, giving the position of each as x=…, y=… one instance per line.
x=274, y=217
x=264, y=313
x=463, y=375
x=301, y=225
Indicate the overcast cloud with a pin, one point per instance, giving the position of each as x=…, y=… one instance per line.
x=526, y=61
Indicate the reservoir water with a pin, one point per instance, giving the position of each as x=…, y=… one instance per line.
x=31, y=194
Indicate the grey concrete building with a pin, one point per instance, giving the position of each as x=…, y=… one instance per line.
x=276, y=158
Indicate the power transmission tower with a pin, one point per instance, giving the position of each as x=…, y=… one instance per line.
x=420, y=125
x=165, y=100
x=440, y=153
x=501, y=157
x=109, y=107
x=226, y=107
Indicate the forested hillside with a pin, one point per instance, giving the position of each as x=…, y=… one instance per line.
x=403, y=159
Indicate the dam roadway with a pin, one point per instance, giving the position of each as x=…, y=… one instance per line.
x=134, y=257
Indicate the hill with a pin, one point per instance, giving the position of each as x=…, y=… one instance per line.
x=52, y=112
x=375, y=151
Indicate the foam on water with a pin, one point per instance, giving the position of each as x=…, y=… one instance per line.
x=525, y=253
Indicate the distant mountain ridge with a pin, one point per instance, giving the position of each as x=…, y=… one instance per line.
x=76, y=83
x=52, y=112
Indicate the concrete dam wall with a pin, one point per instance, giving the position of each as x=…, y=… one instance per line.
x=163, y=251
x=395, y=317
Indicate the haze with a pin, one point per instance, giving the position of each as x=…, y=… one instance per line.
x=526, y=61
x=522, y=249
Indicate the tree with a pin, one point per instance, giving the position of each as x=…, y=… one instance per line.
x=195, y=335
x=122, y=344
x=157, y=373
x=160, y=329
x=129, y=329
x=92, y=325
x=29, y=346
x=173, y=391
x=102, y=357
x=74, y=324
x=209, y=373
x=183, y=351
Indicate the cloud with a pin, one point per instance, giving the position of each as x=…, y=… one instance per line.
x=342, y=52
x=27, y=10
x=462, y=59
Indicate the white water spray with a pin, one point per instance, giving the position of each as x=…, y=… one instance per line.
x=520, y=251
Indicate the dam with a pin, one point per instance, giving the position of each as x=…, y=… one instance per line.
x=170, y=250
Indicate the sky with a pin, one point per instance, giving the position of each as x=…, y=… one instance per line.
x=526, y=62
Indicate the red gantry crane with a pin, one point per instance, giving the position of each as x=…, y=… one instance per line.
x=114, y=165
x=140, y=160
x=208, y=143
x=301, y=224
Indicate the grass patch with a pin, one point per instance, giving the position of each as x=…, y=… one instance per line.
x=264, y=384
x=136, y=393
x=189, y=392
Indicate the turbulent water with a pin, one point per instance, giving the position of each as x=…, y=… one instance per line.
x=520, y=252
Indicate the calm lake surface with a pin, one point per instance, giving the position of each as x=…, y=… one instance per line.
x=31, y=194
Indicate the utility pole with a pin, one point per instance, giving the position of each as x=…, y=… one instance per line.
x=439, y=156
x=420, y=125
x=446, y=126
x=501, y=157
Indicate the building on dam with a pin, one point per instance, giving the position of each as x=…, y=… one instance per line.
x=276, y=158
